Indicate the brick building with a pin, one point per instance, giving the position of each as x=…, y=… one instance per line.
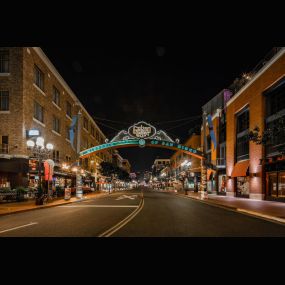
x=259, y=102
x=186, y=165
x=34, y=96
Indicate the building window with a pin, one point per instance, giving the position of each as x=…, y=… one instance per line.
x=242, y=148
x=85, y=123
x=4, y=146
x=243, y=121
x=39, y=78
x=38, y=112
x=4, y=100
x=68, y=109
x=55, y=96
x=85, y=143
x=92, y=131
x=67, y=133
x=56, y=124
x=275, y=99
x=4, y=61
x=276, y=144
x=97, y=136
x=55, y=155
x=242, y=140
x=208, y=143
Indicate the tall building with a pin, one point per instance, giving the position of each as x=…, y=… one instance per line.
x=186, y=165
x=34, y=97
x=158, y=165
x=214, y=139
x=235, y=165
x=257, y=171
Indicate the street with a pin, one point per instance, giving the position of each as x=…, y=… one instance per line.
x=128, y=215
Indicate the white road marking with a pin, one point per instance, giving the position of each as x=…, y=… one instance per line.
x=122, y=223
x=20, y=227
x=100, y=206
x=127, y=197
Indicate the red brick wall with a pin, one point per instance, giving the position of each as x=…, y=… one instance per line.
x=252, y=97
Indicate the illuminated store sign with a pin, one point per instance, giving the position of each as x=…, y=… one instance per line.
x=142, y=130
x=33, y=133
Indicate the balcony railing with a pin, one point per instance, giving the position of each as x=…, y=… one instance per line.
x=221, y=162
x=4, y=148
x=241, y=82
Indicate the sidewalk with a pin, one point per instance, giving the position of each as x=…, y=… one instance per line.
x=10, y=208
x=260, y=208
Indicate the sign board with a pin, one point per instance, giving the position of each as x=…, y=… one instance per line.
x=142, y=130
x=33, y=133
x=67, y=193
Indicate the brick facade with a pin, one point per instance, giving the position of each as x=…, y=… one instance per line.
x=251, y=96
x=20, y=118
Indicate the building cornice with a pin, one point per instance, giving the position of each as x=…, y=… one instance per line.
x=257, y=75
x=52, y=68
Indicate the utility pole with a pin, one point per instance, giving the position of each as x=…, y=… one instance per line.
x=79, y=193
x=203, y=161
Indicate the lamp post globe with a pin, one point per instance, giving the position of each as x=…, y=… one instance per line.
x=30, y=143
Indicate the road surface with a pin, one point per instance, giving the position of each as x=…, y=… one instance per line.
x=128, y=215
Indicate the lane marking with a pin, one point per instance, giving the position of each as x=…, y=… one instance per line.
x=122, y=223
x=20, y=227
x=100, y=206
x=127, y=197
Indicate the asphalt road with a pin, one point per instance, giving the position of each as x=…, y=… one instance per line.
x=157, y=215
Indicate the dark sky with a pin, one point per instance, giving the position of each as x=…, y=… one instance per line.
x=152, y=82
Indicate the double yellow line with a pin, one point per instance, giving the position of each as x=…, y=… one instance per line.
x=122, y=223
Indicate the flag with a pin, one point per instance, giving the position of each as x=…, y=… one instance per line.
x=72, y=130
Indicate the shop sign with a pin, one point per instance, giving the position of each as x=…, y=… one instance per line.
x=33, y=133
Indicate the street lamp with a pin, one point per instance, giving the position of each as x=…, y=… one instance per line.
x=40, y=152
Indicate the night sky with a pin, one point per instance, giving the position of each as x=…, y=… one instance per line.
x=152, y=82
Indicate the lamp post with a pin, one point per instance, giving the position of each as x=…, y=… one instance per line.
x=40, y=151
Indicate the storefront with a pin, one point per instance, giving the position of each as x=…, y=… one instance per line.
x=241, y=176
x=13, y=172
x=275, y=181
x=222, y=182
x=211, y=181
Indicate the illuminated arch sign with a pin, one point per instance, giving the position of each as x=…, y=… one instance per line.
x=141, y=130
x=142, y=134
x=142, y=143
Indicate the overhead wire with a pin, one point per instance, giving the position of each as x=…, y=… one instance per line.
x=111, y=121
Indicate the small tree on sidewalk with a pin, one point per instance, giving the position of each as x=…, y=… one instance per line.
x=271, y=136
x=277, y=130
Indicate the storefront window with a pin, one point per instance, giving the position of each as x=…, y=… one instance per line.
x=272, y=184
x=222, y=184
x=281, y=185
x=243, y=186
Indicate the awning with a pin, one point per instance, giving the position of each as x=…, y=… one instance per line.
x=240, y=169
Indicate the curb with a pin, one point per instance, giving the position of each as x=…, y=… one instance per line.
x=254, y=214
x=49, y=206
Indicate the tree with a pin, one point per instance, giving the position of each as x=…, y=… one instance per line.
x=107, y=169
x=275, y=131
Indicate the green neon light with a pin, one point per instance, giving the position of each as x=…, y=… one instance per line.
x=136, y=142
